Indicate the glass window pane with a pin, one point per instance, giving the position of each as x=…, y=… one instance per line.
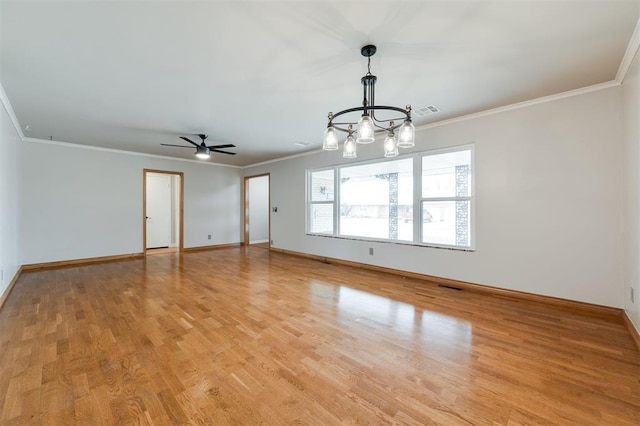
x=376, y=200
x=446, y=175
x=321, y=218
x=322, y=185
x=446, y=222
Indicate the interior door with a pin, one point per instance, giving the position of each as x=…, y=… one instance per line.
x=257, y=226
x=158, y=210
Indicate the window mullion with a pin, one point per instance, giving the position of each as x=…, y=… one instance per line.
x=417, y=193
x=336, y=201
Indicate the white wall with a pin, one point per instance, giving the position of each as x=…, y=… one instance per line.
x=259, y=209
x=631, y=136
x=82, y=203
x=10, y=152
x=549, y=202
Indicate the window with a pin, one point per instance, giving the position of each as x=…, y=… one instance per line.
x=445, y=205
x=375, y=200
x=321, y=206
x=424, y=199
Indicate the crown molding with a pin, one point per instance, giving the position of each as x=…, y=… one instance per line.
x=120, y=151
x=629, y=54
x=524, y=104
x=288, y=157
x=10, y=112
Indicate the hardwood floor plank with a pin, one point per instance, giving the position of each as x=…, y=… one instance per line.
x=251, y=336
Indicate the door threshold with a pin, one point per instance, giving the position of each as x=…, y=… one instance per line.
x=162, y=250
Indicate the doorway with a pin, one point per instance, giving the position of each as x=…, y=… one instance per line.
x=162, y=211
x=257, y=220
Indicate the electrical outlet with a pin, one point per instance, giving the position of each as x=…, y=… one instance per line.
x=632, y=296
x=209, y=237
x=370, y=251
x=271, y=242
x=2, y=276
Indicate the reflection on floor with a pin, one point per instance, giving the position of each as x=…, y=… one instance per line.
x=249, y=336
x=260, y=245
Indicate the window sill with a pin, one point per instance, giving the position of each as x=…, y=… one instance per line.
x=403, y=243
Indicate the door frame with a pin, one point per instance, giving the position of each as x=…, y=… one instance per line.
x=247, y=206
x=144, y=207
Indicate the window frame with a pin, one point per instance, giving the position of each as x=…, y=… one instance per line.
x=310, y=202
x=417, y=199
x=471, y=197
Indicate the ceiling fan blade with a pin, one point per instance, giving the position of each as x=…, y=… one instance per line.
x=179, y=146
x=229, y=145
x=189, y=140
x=223, y=152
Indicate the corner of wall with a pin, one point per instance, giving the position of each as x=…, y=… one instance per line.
x=10, y=194
x=630, y=100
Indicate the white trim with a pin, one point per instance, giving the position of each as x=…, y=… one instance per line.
x=570, y=93
x=629, y=54
x=633, y=324
x=258, y=241
x=288, y=157
x=12, y=115
x=120, y=151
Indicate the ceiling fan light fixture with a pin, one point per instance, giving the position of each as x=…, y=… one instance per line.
x=203, y=152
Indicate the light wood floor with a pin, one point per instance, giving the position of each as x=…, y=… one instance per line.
x=248, y=336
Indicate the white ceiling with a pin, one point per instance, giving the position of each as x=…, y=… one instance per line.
x=264, y=74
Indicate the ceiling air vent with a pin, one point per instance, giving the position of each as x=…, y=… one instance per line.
x=302, y=143
x=424, y=111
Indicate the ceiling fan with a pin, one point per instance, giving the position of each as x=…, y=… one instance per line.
x=202, y=150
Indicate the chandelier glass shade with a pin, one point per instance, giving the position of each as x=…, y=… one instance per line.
x=368, y=124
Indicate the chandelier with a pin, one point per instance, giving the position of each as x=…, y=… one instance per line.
x=369, y=125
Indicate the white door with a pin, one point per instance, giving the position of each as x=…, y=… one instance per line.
x=158, y=210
